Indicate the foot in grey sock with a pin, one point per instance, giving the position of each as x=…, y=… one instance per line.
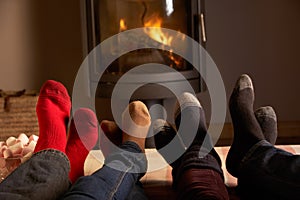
x=247, y=131
x=190, y=119
x=267, y=120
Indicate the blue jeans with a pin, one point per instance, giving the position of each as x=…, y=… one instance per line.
x=46, y=176
x=115, y=182
x=267, y=172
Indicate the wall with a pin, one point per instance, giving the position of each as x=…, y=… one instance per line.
x=15, y=41
x=41, y=40
x=260, y=38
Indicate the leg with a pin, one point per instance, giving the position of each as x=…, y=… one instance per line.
x=122, y=169
x=114, y=136
x=112, y=181
x=45, y=174
x=269, y=171
x=195, y=177
x=263, y=171
x=247, y=130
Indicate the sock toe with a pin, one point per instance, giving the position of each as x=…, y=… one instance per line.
x=85, y=115
x=244, y=82
x=267, y=120
x=54, y=89
x=87, y=127
x=185, y=100
x=136, y=122
x=136, y=119
x=53, y=112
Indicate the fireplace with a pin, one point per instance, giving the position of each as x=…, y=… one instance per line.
x=102, y=19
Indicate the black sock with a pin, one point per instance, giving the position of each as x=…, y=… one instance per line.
x=267, y=120
x=164, y=133
x=247, y=131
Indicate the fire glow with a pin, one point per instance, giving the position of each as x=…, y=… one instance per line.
x=123, y=26
x=152, y=27
x=156, y=32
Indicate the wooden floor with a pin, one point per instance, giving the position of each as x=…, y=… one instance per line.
x=288, y=133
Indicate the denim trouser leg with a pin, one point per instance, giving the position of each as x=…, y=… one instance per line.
x=44, y=176
x=117, y=179
x=269, y=171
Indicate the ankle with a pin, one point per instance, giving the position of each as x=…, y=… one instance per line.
x=139, y=141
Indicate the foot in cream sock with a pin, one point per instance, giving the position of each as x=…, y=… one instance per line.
x=136, y=121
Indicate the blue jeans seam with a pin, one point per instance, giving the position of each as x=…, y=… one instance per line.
x=119, y=182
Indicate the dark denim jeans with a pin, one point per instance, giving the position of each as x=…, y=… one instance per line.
x=267, y=172
x=45, y=176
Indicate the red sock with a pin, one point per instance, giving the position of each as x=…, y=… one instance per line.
x=53, y=112
x=82, y=138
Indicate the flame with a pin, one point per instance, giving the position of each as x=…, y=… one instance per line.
x=156, y=33
x=123, y=26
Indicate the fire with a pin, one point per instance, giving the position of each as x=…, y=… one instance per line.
x=158, y=35
x=123, y=26
x=156, y=32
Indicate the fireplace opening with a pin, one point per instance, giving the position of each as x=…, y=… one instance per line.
x=102, y=19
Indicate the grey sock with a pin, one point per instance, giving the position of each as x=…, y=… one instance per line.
x=267, y=120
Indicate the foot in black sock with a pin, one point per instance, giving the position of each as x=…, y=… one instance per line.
x=190, y=119
x=247, y=131
x=267, y=120
x=168, y=143
x=164, y=134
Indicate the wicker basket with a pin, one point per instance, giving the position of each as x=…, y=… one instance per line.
x=17, y=113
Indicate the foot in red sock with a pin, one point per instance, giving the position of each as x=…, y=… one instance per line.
x=53, y=112
x=83, y=136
